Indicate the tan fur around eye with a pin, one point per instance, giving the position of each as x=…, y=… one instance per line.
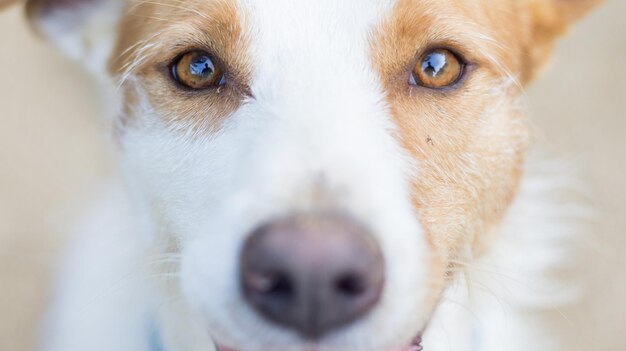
x=468, y=143
x=154, y=32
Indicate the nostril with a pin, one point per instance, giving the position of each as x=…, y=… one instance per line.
x=281, y=286
x=276, y=285
x=350, y=285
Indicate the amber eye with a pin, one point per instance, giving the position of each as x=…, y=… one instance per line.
x=437, y=69
x=196, y=70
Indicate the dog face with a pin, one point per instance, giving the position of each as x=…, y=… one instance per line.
x=388, y=132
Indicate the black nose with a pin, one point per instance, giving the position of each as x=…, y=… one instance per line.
x=312, y=273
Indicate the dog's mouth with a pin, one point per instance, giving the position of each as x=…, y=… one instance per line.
x=415, y=345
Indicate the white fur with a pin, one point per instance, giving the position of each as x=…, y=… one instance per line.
x=501, y=301
x=102, y=302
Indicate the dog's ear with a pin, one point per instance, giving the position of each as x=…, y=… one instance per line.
x=549, y=19
x=552, y=17
x=85, y=30
x=6, y=3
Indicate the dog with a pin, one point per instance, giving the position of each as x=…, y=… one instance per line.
x=311, y=175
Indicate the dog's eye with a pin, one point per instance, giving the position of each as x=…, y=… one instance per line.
x=437, y=68
x=196, y=70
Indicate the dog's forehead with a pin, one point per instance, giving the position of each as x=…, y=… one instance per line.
x=294, y=21
x=310, y=36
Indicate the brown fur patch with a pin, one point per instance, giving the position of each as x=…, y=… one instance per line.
x=469, y=140
x=153, y=34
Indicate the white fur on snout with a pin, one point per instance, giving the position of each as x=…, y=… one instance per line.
x=327, y=170
x=316, y=137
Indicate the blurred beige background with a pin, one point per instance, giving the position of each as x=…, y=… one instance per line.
x=52, y=155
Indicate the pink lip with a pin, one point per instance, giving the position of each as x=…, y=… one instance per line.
x=416, y=345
